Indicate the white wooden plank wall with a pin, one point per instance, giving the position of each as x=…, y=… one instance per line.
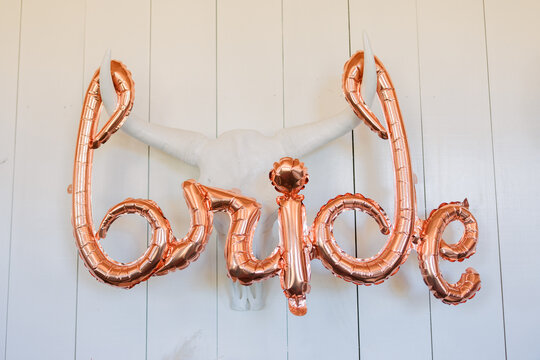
x=467, y=77
x=9, y=65
x=459, y=163
x=42, y=292
x=514, y=78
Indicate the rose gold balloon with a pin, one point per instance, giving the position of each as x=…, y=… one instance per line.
x=379, y=267
x=165, y=252
x=95, y=259
x=182, y=253
x=244, y=212
x=408, y=227
x=432, y=246
x=347, y=267
x=291, y=258
x=289, y=176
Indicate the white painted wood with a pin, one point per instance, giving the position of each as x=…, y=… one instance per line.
x=120, y=171
x=9, y=64
x=41, y=314
x=249, y=66
x=398, y=309
x=313, y=61
x=182, y=305
x=56, y=311
x=249, y=95
x=459, y=163
x=513, y=52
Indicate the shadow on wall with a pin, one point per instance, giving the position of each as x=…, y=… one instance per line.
x=187, y=349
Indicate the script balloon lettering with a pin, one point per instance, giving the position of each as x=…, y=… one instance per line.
x=299, y=244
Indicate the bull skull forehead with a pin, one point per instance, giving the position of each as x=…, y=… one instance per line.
x=242, y=158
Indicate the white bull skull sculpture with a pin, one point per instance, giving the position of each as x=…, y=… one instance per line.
x=240, y=159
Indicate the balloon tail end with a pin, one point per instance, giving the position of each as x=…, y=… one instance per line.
x=297, y=306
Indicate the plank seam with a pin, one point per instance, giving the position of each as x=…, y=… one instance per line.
x=77, y=255
x=13, y=178
x=286, y=308
x=216, y=134
x=148, y=152
x=494, y=176
x=354, y=191
x=423, y=157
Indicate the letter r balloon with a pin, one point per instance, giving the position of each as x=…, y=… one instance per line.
x=299, y=244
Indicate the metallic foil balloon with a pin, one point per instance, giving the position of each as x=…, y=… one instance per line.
x=165, y=252
x=289, y=176
x=291, y=258
x=432, y=247
x=359, y=271
x=95, y=259
x=244, y=213
x=379, y=267
x=407, y=226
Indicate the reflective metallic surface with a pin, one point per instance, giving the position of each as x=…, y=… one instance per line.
x=289, y=176
x=379, y=267
x=432, y=247
x=291, y=258
x=95, y=259
x=242, y=265
x=408, y=229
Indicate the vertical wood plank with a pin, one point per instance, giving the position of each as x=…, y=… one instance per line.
x=398, y=309
x=9, y=66
x=459, y=163
x=41, y=314
x=313, y=62
x=249, y=66
x=513, y=54
x=249, y=96
x=182, y=304
x=120, y=171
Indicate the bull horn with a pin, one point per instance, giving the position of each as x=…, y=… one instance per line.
x=182, y=144
x=106, y=86
x=300, y=140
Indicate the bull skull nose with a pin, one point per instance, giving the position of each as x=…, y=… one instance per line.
x=289, y=176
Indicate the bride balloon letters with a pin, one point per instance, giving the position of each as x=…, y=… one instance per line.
x=299, y=243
